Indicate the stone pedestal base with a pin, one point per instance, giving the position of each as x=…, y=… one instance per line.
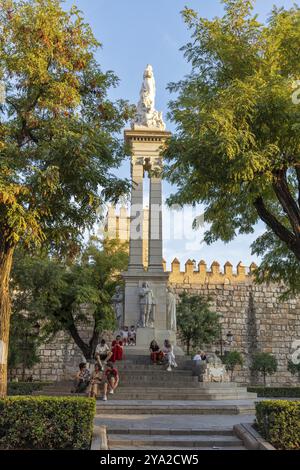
x=144, y=336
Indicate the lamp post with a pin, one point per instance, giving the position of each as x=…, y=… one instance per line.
x=229, y=340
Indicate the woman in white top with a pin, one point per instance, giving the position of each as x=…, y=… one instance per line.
x=102, y=353
x=169, y=354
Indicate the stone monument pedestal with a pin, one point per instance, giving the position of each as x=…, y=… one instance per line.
x=144, y=336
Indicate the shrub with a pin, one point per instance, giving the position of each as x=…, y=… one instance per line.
x=25, y=388
x=232, y=360
x=276, y=392
x=46, y=423
x=264, y=363
x=294, y=369
x=279, y=423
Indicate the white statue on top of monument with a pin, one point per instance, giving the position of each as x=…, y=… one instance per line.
x=146, y=115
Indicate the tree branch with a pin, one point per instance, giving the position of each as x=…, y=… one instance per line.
x=288, y=203
x=277, y=227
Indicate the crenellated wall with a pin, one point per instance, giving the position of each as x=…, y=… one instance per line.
x=202, y=275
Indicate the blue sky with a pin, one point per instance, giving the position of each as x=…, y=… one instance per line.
x=135, y=33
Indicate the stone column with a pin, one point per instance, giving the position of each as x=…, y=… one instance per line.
x=155, y=226
x=136, y=218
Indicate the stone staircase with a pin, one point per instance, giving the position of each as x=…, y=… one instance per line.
x=140, y=380
x=173, y=439
x=154, y=409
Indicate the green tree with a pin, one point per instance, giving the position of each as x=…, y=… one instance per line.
x=63, y=297
x=58, y=136
x=24, y=342
x=197, y=324
x=294, y=369
x=232, y=360
x=265, y=364
x=237, y=146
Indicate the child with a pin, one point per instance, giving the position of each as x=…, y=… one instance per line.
x=97, y=383
x=117, y=349
x=132, y=336
x=82, y=379
x=112, y=377
x=124, y=334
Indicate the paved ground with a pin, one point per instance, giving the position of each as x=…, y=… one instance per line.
x=172, y=421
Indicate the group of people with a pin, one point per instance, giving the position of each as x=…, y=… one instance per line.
x=105, y=377
x=128, y=336
x=200, y=356
x=163, y=355
x=101, y=380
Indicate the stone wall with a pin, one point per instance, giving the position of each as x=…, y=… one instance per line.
x=258, y=320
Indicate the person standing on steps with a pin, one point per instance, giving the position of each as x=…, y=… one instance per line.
x=112, y=378
x=168, y=351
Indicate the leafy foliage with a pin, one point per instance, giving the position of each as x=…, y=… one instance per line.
x=237, y=146
x=25, y=388
x=232, y=360
x=63, y=296
x=294, y=369
x=51, y=423
x=264, y=363
x=279, y=423
x=197, y=324
x=276, y=392
x=58, y=129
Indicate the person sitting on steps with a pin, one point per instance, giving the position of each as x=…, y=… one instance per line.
x=112, y=378
x=156, y=355
x=82, y=379
x=124, y=335
x=132, y=336
x=102, y=353
x=97, y=383
x=169, y=355
x=117, y=349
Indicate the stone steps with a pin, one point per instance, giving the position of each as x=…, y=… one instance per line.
x=173, y=407
x=173, y=439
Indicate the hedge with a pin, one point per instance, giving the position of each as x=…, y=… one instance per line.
x=278, y=421
x=25, y=388
x=276, y=392
x=43, y=423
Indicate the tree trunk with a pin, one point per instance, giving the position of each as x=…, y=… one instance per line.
x=188, y=347
x=6, y=256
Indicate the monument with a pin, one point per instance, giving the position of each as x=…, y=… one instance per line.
x=145, y=303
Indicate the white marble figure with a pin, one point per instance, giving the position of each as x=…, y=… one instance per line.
x=171, y=309
x=146, y=115
x=147, y=306
x=117, y=301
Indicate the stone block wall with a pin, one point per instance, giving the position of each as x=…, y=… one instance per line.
x=258, y=321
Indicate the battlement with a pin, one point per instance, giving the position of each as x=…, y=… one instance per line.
x=193, y=274
x=118, y=226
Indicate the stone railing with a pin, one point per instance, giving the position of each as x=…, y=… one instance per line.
x=192, y=275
